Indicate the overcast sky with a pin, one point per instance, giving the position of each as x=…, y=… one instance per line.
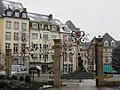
x=95, y=17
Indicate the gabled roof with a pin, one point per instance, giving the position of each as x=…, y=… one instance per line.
x=107, y=37
x=40, y=18
x=63, y=28
x=70, y=25
x=5, y=4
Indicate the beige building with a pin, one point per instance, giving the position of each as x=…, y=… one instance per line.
x=30, y=36
x=14, y=31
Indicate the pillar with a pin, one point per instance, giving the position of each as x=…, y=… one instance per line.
x=57, y=82
x=99, y=59
x=8, y=62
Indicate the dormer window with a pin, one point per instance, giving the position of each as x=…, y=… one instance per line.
x=35, y=25
x=16, y=13
x=106, y=44
x=113, y=43
x=24, y=15
x=54, y=28
x=8, y=12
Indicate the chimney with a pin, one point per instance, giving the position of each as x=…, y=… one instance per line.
x=25, y=9
x=50, y=16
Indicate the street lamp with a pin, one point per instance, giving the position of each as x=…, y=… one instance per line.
x=78, y=36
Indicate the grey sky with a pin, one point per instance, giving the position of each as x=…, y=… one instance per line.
x=93, y=16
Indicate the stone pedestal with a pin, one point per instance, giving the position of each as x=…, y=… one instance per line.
x=57, y=82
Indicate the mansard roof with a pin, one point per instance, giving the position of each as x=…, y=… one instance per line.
x=41, y=18
x=5, y=4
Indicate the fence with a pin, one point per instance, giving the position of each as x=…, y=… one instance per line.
x=108, y=69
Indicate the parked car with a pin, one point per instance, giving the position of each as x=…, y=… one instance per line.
x=17, y=70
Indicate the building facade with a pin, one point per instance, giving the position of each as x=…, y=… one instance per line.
x=68, y=57
x=109, y=43
x=14, y=31
x=30, y=37
x=43, y=30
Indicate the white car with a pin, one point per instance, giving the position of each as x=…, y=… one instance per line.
x=18, y=70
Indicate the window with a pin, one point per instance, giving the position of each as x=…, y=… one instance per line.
x=45, y=36
x=34, y=46
x=39, y=56
x=16, y=36
x=9, y=13
x=24, y=27
x=23, y=37
x=65, y=68
x=40, y=26
x=65, y=37
x=35, y=25
x=24, y=15
x=15, y=48
x=40, y=46
x=16, y=25
x=70, y=57
x=45, y=46
x=45, y=56
x=40, y=36
x=7, y=45
x=8, y=36
x=70, y=68
x=8, y=24
x=113, y=43
x=34, y=56
x=46, y=27
x=106, y=59
x=106, y=44
x=54, y=28
x=34, y=35
x=23, y=50
x=16, y=14
x=65, y=56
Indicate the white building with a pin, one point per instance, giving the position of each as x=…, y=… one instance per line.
x=43, y=29
x=68, y=52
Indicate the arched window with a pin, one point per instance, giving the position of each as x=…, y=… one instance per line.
x=113, y=43
x=106, y=44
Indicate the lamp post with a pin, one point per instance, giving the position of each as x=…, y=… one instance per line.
x=78, y=36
